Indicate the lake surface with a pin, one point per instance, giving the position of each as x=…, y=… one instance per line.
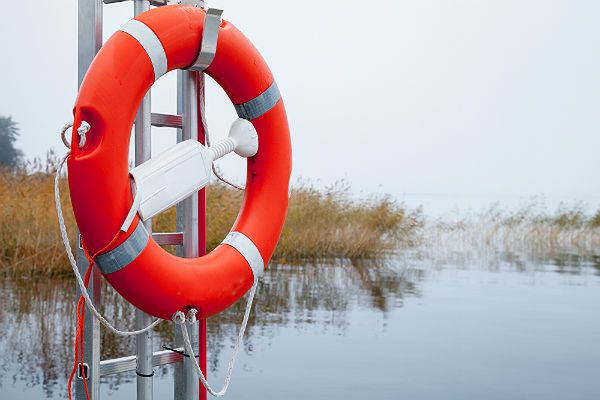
x=458, y=325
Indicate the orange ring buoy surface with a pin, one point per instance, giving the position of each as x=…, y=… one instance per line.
x=123, y=71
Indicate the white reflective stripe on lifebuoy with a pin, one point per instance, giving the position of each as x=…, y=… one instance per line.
x=248, y=249
x=260, y=104
x=150, y=42
x=122, y=255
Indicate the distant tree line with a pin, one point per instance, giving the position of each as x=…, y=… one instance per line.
x=10, y=156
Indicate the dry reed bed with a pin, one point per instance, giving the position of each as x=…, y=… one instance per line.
x=531, y=230
x=321, y=224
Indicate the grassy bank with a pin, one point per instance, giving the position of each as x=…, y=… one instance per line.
x=321, y=224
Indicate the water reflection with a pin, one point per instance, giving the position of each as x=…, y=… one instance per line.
x=37, y=315
x=36, y=327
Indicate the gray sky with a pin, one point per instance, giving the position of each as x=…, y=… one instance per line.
x=422, y=99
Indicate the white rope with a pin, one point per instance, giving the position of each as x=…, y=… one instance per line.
x=180, y=319
x=225, y=180
x=73, y=262
x=207, y=137
x=83, y=129
x=137, y=198
x=63, y=134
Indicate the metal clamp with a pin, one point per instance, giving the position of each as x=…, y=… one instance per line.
x=83, y=370
x=193, y=3
x=156, y=3
x=210, y=35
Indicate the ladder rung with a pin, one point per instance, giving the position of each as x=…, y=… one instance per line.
x=166, y=120
x=168, y=238
x=124, y=364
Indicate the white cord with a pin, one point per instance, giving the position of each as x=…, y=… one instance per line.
x=225, y=180
x=207, y=137
x=66, y=242
x=180, y=319
x=63, y=134
x=83, y=129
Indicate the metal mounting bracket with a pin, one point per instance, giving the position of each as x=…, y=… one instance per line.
x=156, y=3
x=195, y=3
x=210, y=35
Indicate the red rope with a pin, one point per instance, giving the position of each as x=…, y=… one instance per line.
x=80, y=319
x=78, y=345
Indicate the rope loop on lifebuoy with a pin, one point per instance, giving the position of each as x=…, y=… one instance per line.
x=179, y=318
x=82, y=131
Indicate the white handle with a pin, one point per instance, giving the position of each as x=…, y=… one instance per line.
x=171, y=176
x=243, y=140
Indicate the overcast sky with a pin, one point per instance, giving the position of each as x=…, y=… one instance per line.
x=420, y=99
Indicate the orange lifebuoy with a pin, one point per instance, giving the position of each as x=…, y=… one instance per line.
x=157, y=282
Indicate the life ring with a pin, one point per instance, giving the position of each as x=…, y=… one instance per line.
x=155, y=281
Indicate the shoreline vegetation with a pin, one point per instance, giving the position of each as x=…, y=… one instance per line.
x=322, y=225
x=531, y=230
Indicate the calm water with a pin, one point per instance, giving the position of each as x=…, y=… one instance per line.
x=465, y=325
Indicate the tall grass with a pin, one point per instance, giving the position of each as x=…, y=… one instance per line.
x=531, y=229
x=329, y=223
x=321, y=224
x=29, y=235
